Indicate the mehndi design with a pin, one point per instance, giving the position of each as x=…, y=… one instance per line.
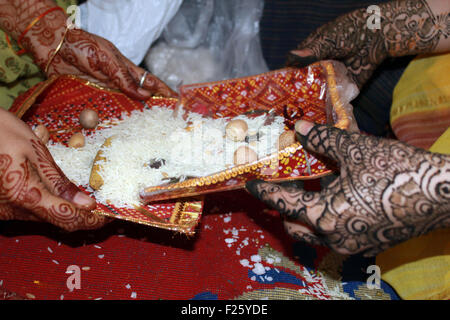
x=407, y=28
x=386, y=193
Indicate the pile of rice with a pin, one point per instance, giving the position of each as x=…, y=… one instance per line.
x=157, y=133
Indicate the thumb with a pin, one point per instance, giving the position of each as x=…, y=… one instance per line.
x=308, y=52
x=55, y=180
x=301, y=58
x=322, y=139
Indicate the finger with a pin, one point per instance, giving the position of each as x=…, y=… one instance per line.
x=55, y=180
x=151, y=83
x=303, y=53
x=8, y=212
x=322, y=139
x=128, y=86
x=359, y=69
x=317, y=46
x=69, y=64
x=310, y=50
x=293, y=203
x=159, y=88
x=29, y=192
x=300, y=59
x=117, y=70
x=302, y=233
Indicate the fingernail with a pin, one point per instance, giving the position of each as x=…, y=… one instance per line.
x=302, y=53
x=83, y=200
x=303, y=127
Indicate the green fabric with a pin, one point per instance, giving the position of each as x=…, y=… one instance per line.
x=18, y=73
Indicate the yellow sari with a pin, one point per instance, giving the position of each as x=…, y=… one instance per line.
x=420, y=267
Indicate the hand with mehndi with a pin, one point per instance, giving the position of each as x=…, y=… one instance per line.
x=32, y=186
x=96, y=59
x=80, y=53
x=406, y=28
x=386, y=192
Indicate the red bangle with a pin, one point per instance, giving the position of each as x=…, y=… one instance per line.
x=20, y=52
x=31, y=25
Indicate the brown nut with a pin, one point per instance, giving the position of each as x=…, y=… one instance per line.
x=244, y=155
x=76, y=141
x=42, y=133
x=286, y=139
x=236, y=130
x=89, y=118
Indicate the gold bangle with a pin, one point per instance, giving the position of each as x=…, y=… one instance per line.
x=56, y=51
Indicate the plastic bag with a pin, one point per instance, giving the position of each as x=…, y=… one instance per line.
x=209, y=40
x=132, y=26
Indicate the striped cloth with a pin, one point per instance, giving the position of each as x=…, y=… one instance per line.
x=420, y=111
x=286, y=23
x=420, y=115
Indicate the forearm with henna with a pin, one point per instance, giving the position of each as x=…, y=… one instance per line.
x=44, y=36
x=57, y=50
x=407, y=27
x=415, y=26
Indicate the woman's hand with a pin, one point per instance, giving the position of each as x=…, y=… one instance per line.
x=82, y=54
x=32, y=186
x=406, y=28
x=386, y=192
x=96, y=59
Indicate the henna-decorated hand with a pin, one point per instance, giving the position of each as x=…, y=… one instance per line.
x=82, y=54
x=386, y=192
x=96, y=59
x=406, y=28
x=32, y=186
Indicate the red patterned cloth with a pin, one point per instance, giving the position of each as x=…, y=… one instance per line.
x=240, y=251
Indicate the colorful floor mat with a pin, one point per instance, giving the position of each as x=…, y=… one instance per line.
x=240, y=251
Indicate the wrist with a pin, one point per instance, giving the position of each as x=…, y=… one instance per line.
x=42, y=38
